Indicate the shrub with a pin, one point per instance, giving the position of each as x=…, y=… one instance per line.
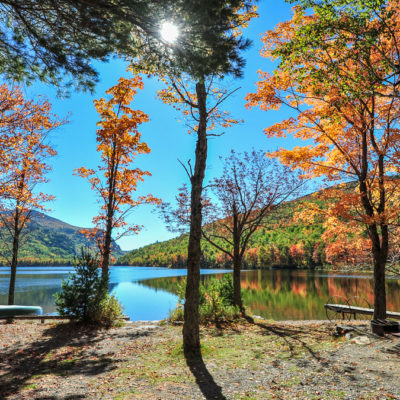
x=83, y=297
x=215, y=301
x=108, y=313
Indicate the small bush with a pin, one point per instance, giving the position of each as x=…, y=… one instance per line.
x=215, y=301
x=108, y=313
x=83, y=297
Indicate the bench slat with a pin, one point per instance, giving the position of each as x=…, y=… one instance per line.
x=344, y=308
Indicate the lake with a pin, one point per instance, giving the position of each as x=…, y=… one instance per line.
x=37, y=286
x=147, y=293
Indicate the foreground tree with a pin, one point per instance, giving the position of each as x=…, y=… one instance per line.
x=349, y=117
x=24, y=127
x=189, y=87
x=119, y=143
x=198, y=105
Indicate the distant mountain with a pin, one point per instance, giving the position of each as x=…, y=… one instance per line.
x=50, y=241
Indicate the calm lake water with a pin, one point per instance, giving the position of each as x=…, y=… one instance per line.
x=148, y=293
x=37, y=286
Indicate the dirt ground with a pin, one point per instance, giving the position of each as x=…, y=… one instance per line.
x=144, y=360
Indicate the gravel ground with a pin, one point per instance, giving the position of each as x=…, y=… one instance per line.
x=143, y=360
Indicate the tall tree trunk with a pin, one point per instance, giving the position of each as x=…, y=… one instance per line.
x=106, y=252
x=237, y=261
x=191, y=331
x=380, y=251
x=14, y=259
x=379, y=236
x=237, y=292
x=379, y=288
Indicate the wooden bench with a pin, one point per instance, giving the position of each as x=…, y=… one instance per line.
x=42, y=318
x=345, y=309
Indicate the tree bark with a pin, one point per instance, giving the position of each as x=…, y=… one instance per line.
x=237, y=292
x=380, y=252
x=379, y=236
x=14, y=259
x=379, y=289
x=106, y=250
x=105, y=262
x=191, y=331
x=237, y=261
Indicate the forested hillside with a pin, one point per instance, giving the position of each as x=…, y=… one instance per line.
x=289, y=237
x=280, y=242
x=50, y=241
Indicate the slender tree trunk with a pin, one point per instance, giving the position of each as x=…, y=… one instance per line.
x=191, y=331
x=380, y=240
x=237, y=292
x=106, y=252
x=14, y=259
x=237, y=261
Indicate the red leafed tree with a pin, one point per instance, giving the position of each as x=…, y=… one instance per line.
x=24, y=128
x=249, y=189
x=115, y=179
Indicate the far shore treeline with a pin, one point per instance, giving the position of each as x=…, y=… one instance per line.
x=283, y=242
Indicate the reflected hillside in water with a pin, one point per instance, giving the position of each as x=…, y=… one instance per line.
x=37, y=285
x=293, y=294
x=150, y=293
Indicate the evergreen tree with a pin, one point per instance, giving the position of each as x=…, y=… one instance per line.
x=49, y=39
x=82, y=292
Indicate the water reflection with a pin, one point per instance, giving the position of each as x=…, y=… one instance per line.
x=37, y=286
x=297, y=295
x=149, y=293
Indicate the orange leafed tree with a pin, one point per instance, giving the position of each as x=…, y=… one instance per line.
x=24, y=128
x=347, y=116
x=115, y=180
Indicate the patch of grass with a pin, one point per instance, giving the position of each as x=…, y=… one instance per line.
x=127, y=395
x=248, y=396
x=67, y=363
x=338, y=394
x=31, y=386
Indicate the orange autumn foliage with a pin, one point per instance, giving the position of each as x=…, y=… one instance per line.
x=24, y=128
x=115, y=180
x=347, y=116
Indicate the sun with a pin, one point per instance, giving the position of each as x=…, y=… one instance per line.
x=169, y=32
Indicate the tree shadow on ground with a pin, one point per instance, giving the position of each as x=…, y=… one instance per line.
x=64, y=350
x=204, y=380
x=293, y=337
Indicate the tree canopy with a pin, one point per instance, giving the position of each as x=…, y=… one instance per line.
x=50, y=39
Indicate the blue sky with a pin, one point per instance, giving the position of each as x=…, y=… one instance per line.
x=167, y=138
